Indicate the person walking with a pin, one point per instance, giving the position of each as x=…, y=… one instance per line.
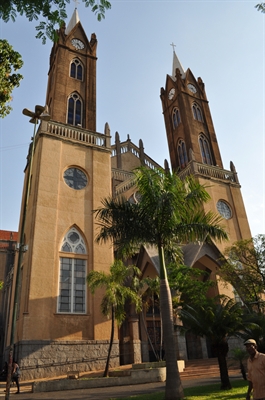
x=256, y=371
x=16, y=375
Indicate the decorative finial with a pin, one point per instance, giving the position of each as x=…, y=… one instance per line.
x=173, y=45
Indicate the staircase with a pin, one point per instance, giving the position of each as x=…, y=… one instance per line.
x=207, y=368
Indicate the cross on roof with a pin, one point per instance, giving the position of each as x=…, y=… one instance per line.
x=76, y=2
x=173, y=45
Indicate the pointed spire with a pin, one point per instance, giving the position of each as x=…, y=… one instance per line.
x=73, y=21
x=177, y=64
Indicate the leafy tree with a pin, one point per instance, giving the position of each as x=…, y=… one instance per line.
x=189, y=285
x=244, y=267
x=217, y=322
x=53, y=12
x=10, y=61
x=168, y=214
x=261, y=7
x=116, y=294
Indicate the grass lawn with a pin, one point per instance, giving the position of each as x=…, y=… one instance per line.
x=207, y=392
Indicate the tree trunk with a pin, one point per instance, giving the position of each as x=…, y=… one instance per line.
x=106, y=372
x=222, y=350
x=161, y=336
x=243, y=371
x=174, y=390
x=154, y=327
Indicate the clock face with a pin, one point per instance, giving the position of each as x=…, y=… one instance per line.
x=171, y=94
x=224, y=209
x=192, y=88
x=78, y=44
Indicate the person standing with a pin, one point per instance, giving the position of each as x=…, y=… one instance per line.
x=256, y=371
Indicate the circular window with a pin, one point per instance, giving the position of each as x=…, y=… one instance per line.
x=224, y=209
x=73, y=237
x=75, y=178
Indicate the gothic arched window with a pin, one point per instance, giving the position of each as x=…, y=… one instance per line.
x=73, y=271
x=75, y=110
x=76, y=69
x=182, y=154
x=205, y=150
x=176, y=118
x=197, y=114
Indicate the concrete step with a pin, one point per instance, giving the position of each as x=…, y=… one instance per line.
x=207, y=368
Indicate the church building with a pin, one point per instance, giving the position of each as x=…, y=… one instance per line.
x=70, y=168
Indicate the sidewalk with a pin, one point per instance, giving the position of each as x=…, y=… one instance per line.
x=106, y=393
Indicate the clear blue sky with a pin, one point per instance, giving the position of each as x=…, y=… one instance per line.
x=223, y=42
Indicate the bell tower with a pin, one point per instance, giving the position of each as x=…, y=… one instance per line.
x=67, y=174
x=71, y=90
x=193, y=148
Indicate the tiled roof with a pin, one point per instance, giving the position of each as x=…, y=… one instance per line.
x=8, y=235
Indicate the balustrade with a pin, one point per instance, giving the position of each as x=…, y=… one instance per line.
x=74, y=133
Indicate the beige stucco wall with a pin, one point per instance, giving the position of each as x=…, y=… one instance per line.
x=52, y=210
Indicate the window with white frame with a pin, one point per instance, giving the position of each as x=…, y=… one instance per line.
x=182, y=154
x=72, y=276
x=197, y=114
x=75, y=110
x=205, y=150
x=76, y=69
x=176, y=118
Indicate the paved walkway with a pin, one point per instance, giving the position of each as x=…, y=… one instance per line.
x=105, y=393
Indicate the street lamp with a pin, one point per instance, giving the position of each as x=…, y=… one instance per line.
x=41, y=113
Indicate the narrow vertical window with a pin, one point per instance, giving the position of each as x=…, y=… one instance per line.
x=73, y=70
x=76, y=69
x=75, y=109
x=182, y=154
x=205, y=150
x=72, y=277
x=71, y=105
x=176, y=118
x=197, y=114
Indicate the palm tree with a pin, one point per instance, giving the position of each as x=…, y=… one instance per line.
x=240, y=355
x=254, y=328
x=217, y=321
x=169, y=213
x=118, y=289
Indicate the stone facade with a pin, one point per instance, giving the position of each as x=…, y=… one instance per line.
x=40, y=359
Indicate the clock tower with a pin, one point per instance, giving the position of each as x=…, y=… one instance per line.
x=71, y=91
x=67, y=174
x=193, y=148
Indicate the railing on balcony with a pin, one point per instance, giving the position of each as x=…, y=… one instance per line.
x=121, y=175
x=129, y=147
x=209, y=171
x=124, y=186
x=75, y=133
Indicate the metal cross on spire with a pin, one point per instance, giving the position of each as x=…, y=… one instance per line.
x=173, y=45
x=76, y=3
